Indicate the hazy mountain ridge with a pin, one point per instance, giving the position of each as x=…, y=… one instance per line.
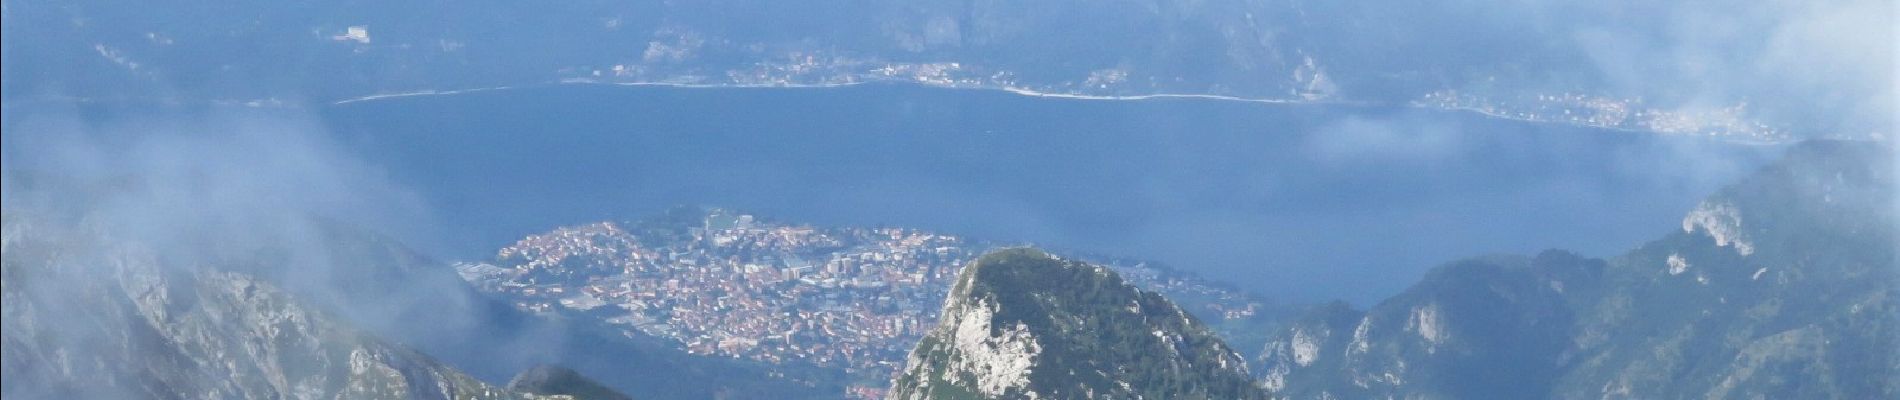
x=1781, y=286
x=1021, y=324
x=1571, y=62
x=89, y=317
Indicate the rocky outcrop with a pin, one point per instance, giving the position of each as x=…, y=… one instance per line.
x=1021, y=324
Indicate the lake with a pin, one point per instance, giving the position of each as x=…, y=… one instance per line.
x=1298, y=202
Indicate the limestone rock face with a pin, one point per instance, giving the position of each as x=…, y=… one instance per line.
x=1021, y=324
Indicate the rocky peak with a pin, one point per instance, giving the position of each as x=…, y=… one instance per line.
x=1022, y=324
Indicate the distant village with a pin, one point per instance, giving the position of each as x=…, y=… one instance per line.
x=1731, y=123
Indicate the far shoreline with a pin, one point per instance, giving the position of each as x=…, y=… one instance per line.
x=1030, y=92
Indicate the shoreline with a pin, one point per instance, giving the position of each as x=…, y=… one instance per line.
x=1019, y=91
x=1016, y=91
x=417, y=93
x=1028, y=92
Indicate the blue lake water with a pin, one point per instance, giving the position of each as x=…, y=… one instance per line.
x=1299, y=202
x=1295, y=201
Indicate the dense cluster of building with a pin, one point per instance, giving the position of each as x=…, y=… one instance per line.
x=735, y=286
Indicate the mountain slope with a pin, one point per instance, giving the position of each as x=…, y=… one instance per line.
x=92, y=318
x=1022, y=324
x=1781, y=286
